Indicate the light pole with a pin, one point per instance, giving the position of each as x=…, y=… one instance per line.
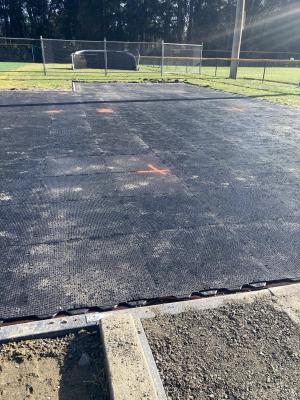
x=237, y=37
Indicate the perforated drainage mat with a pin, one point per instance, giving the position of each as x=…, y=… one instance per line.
x=170, y=194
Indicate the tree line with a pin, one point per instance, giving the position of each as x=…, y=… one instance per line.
x=270, y=24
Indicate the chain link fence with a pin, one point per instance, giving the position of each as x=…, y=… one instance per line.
x=20, y=50
x=112, y=56
x=281, y=71
x=22, y=58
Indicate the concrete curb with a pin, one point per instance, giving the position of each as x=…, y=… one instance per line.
x=287, y=299
x=49, y=327
x=132, y=371
x=150, y=361
x=287, y=295
x=129, y=373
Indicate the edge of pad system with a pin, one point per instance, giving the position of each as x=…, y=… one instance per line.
x=137, y=303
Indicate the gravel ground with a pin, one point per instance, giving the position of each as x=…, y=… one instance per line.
x=247, y=351
x=70, y=367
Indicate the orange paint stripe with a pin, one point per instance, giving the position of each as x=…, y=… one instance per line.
x=55, y=111
x=105, y=110
x=154, y=170
x=235, y=109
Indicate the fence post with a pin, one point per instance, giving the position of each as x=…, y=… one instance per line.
x=216, y=69
x=201, y=56
x=162, y=57
x=105, y=56
x=138, y=61
x=264, y=74
x=72, y=58
x=43, y=55
x=32, y=52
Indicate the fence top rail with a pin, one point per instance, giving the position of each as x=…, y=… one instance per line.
x=15, y=38
x=15, y=44
x=254, y=51
x=99, y=41
x=124, y=41
x=184, y=44
x=72, y=40
x=89, y=51
x=271, y=60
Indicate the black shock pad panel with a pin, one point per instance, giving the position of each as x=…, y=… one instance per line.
x=121, y=192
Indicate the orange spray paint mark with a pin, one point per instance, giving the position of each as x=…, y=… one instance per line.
x=55, y=111
x=105, y=110
x=235, y=109
x=154, y=170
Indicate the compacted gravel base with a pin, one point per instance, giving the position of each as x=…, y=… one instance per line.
x=248, y=351
x=69, y=367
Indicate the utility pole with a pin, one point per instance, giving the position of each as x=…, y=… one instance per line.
x=237, y=37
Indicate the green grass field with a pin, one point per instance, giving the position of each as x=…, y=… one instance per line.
x=11, y=66
x=281, y=84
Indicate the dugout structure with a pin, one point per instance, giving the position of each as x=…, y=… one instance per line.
x=105, y=59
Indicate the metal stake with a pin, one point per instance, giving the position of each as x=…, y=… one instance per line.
x=43, y=55
x=216, y=69
x=105, y=57
x=264, y=74
x=201, y=56
x=162, y=57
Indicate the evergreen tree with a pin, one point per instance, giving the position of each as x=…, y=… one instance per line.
x=270, y=24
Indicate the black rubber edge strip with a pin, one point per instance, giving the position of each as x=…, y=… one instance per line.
x=249, y=287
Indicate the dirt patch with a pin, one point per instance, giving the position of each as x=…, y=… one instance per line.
x=234, y=352
x=69, y=367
